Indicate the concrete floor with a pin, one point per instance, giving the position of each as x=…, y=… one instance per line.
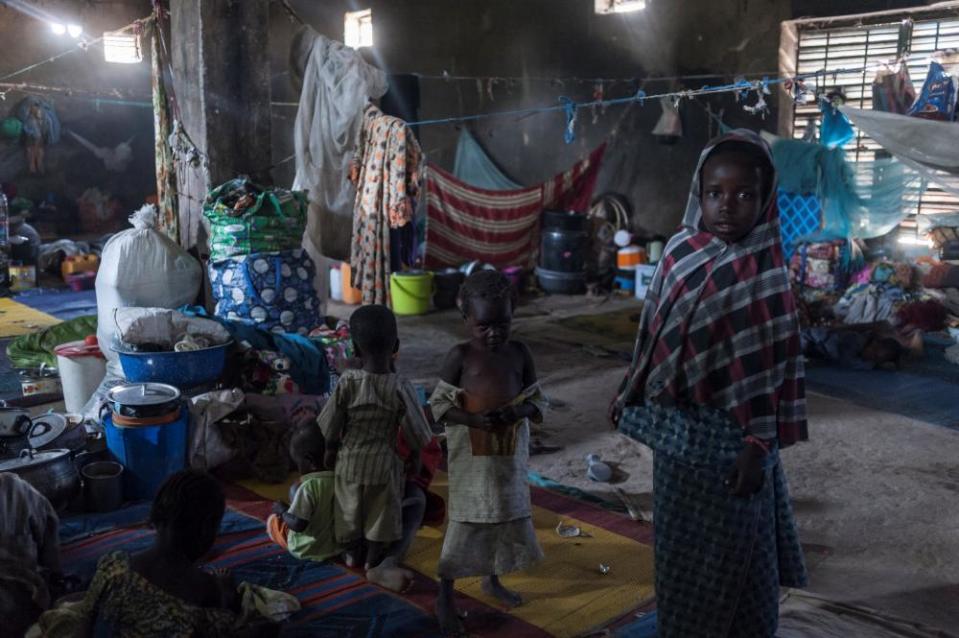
x=875, y=493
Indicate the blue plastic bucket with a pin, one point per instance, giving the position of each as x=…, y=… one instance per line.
x=149, y=453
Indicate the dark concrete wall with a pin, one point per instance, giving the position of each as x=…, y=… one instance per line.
x=563, y=38
x=530, y=38
x=70, y=168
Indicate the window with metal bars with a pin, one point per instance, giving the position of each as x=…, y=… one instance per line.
x=854, y=47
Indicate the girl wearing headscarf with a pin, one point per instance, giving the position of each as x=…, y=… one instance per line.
x=716, y=389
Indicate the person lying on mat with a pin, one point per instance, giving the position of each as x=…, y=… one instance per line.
x=487, y=394
x=29, y=553
x=361, y=420
x=305, y=528
x=716, y=389
x=162, y=591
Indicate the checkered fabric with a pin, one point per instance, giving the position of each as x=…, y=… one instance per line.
x=799, y=215
x=719, y=325
x=720, y=559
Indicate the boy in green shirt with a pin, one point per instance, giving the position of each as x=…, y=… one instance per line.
x=305, y=529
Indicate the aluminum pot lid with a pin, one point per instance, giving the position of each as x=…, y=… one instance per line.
x=143, y=394
x=30, y=458
x=47, y=428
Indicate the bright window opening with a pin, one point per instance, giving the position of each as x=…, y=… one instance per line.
x=358, y=29
x=604, y=7
x=121, y=47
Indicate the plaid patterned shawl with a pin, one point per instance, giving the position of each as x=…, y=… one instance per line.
x=719, y=325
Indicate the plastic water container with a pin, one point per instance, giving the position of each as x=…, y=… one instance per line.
x=150, y=454
x=654, y=251
x=82, y=368
x=336, y=283
x=644, y=276
x=351, y=295
x=630, y=257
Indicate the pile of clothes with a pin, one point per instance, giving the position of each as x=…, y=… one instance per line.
x=882, y=315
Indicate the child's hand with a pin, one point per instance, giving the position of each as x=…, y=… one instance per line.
x=226, y=583
x=746, y=477
x=507, y=416
x=485, y=421
x=615, y=413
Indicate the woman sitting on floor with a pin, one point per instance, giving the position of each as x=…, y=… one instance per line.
x=162, y=591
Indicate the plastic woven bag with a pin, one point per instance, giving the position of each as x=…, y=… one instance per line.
x=142, y=267
x=246, y=218
x=273, y=291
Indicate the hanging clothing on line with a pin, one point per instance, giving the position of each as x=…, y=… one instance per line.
x=499, y=227
x=386, y=172
x=337, y=83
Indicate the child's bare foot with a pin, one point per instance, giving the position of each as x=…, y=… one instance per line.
x=374, y=554
x=351, y=558
x=492, y=587
x=450, y=623
x=393, y=578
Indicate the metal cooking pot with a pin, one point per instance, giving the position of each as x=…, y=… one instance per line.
x=14, y=421
x=54, y=430
x=52, y=473
x=15, y=425
x=144, y=400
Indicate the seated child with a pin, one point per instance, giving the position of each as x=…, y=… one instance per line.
x=306, y=527
x=486, y=396
x=29, y=553
x=360, y=421
x=162, y=591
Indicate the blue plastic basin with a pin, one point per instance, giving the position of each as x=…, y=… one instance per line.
x=182, y=369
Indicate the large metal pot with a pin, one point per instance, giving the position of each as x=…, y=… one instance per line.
x=56, y=431
x=52, y=473
x=14, y=421
x=144, y=400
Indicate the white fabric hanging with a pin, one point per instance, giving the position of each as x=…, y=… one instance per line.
x=337, y=83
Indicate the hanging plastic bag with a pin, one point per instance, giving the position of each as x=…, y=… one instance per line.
x=141, y=267
x=937, y=100
x=836, y=131
x=669, y=128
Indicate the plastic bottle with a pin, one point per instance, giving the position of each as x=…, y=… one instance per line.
x=4, y=243
x=4, y=221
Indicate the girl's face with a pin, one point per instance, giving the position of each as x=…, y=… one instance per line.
x=732, y=193
x=489, y=322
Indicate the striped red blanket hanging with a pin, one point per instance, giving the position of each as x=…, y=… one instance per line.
x=499, y=227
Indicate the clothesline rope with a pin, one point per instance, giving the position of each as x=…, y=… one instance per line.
x=81, y=46
x=760, y=86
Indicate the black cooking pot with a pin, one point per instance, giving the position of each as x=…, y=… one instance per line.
x=15, y=425
x=52, y=473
